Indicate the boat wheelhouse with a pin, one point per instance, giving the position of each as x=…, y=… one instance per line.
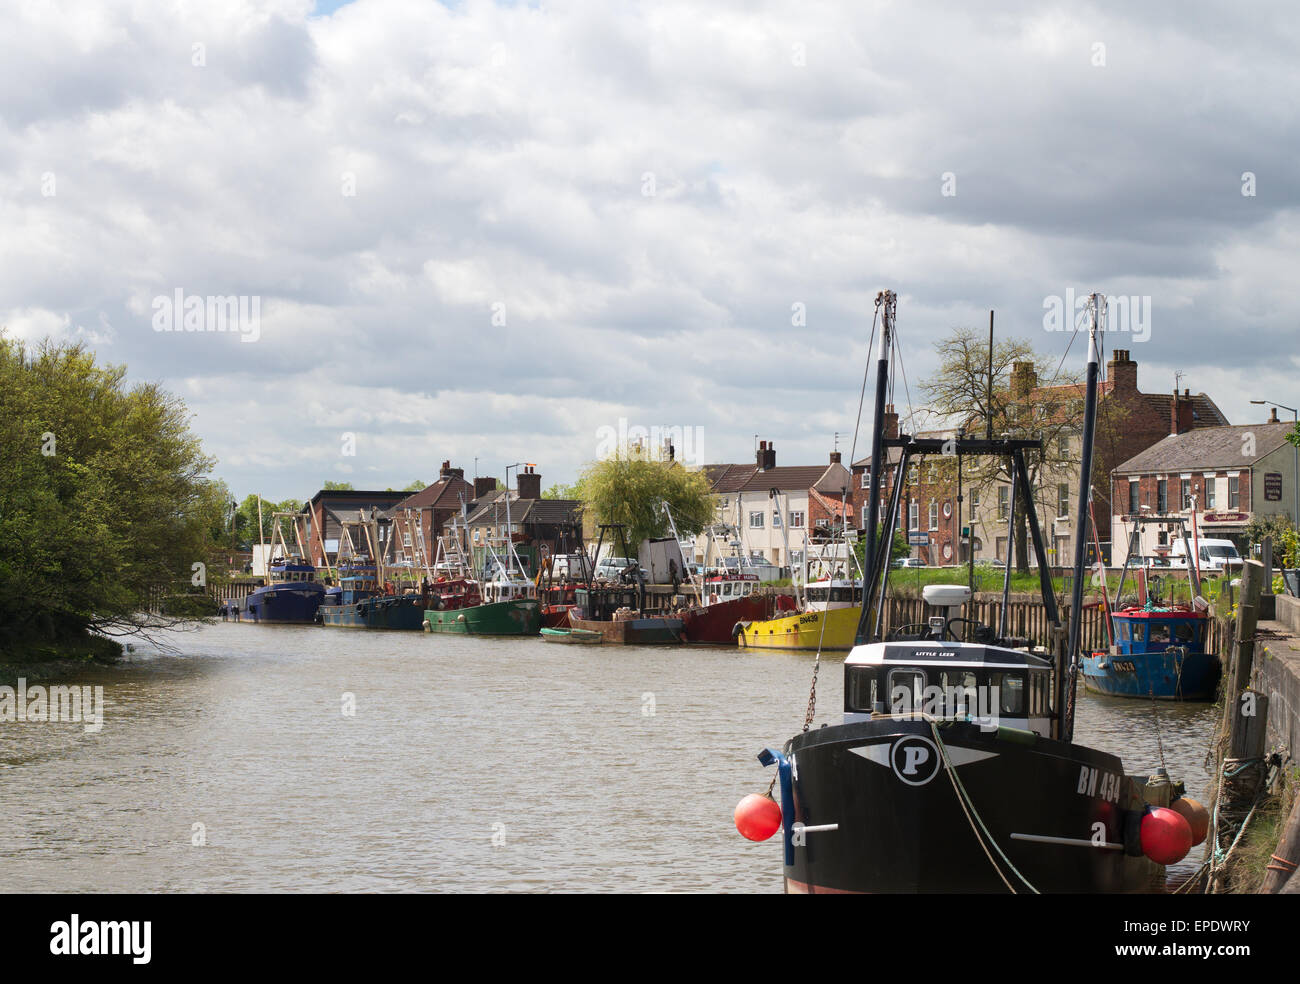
x=827, y=620
x=1159, y=653
x=291, y=595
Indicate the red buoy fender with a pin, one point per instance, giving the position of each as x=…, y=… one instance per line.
x=757, y=817
x=1166, y=835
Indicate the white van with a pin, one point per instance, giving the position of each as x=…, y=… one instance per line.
x=1218, y=556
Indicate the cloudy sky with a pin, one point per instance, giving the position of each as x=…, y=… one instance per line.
x=490, y=231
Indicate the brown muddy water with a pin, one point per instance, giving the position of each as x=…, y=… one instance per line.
x=468, y=765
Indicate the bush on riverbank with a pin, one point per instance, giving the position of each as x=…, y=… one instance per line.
x=103, y=499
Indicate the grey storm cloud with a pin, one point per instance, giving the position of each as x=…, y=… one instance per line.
x=493, y=229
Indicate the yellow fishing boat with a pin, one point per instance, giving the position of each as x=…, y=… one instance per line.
x=829, y=621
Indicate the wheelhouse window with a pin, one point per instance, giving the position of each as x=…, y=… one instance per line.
x=906, y=690
x=1010, y=687
x=863, y=696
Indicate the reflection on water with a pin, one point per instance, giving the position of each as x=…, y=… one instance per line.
x=469, y=764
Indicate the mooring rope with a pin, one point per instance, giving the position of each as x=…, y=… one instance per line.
x=963, y=798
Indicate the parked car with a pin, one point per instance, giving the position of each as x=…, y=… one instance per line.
x=613, y=567
x=909, y=562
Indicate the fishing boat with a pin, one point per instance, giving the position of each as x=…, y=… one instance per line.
x=825, y=609
x=1159, y=654
x=370, y=594
x=616, y=607
x=502, y=603
x=292, y=592
x=955, y=767
x=1157, y=649
x=291, y=595
x=827, y=620
x=573, y=637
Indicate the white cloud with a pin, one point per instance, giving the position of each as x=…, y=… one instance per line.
x=383, y=176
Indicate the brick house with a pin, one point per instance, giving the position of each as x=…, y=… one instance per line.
x=1224, y=476
x=538, y=525
x=426, y=512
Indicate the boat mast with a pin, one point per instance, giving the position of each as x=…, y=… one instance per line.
x=887, y=302
x=1066, y=680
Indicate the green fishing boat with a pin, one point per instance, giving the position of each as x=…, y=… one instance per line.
x=511, y=616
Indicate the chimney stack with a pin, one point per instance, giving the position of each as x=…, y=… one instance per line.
x=1122, y=372
x=484, y=485
x=1023, y=379
x=766, y=457
x=1272, y=416
x=835, y=457
x=448, y=472
x=1180, y=413
x=529, y=483
x=891, y=421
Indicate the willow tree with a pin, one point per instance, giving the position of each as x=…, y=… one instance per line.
x=631, y=489
x=104, y=501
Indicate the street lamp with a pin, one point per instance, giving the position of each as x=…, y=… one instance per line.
x=1295, y=457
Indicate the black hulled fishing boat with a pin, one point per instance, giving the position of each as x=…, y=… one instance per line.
x=955, y=769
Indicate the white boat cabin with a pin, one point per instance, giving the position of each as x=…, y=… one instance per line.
x=830, y=594
x=495, y=591
x=929, y=672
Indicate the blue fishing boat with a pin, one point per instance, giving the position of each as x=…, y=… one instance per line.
x=1159, y=653
x=358, y=602
x=291, y=595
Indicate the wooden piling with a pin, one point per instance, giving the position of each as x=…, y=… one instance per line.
x=1279, y=875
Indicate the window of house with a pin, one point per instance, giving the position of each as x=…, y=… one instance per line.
x=934, y=514
x=1185, y=492
x=755, y=520
x=796, y=519
x=1063, y=446
x=866, y=478
x=406, y=540
x=1062, y=500
x=1162, y=495
x=974, y=502
x=1004, y=501
x=864, y=517
x=776, y=519
x=1234, y=492
x=1133, y=498
x=913, y=515
x=913, y=475
x=1210, y=484
x=932, y=475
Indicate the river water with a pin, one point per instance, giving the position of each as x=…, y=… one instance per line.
x=467, y=764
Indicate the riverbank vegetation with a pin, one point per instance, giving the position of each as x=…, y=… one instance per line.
x=105, y=502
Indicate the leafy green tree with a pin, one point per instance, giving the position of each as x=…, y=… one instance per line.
x=1286, y=543
x=104, y=500
x=339, y=487
x=562, y=491
x=416, y=486
x=630, y=490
